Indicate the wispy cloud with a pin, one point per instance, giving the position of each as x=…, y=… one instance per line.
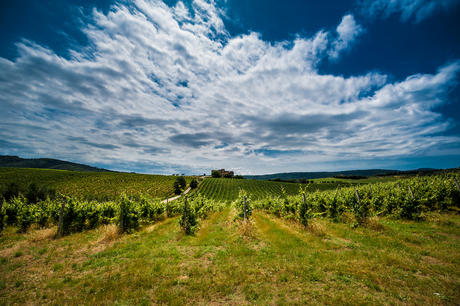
x=163, y=87
x=417, y=9
x=347, y=32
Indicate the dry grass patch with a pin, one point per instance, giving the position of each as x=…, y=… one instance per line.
x=374, y=224
x=317, y=228
x=246, y=229
x=42, y=234
x=111, y=232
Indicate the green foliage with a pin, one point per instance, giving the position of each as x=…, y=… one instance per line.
x=129, y=218
x=179, y=185
x=198, y=208
x=216, y=174
x=25, y=213
x=2, y=215
x=34, y=193
x=9, y=191
x=240, y=206
x=194, y=184
x=100, y=186
x=436, y=193
x=188, y=220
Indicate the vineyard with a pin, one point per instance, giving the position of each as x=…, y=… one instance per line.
x=409, y=199
x=92, y=185
x=385, y=243
x=219, y=189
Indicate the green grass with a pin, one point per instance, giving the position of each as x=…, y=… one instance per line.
x=280, y=263
x=92, y=184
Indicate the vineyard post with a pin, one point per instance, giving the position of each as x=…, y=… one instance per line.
x=121, y=216
x=399, y=185
x=244, y=201
x=411, y=193
x=185, y=215
x=305, y=205
x=456, y=183
x=370, y=191
x=61, y=215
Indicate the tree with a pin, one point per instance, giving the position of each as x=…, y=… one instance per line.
x=179, y=185
x=216, y=174
x=228, y=175
x=193, y=184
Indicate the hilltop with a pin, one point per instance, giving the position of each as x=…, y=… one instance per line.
x=9, y=161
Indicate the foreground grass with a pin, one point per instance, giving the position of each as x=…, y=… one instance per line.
x=275, y=263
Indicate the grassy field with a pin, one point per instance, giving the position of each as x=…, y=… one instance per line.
x=275, y=263
x=92, y=184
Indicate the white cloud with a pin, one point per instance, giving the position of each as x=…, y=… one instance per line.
x=159, y=87
x=417, y=9
x=347, y=31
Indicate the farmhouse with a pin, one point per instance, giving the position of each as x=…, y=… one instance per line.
x=223, y=172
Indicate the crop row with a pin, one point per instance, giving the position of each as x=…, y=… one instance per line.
x=78, y=215
x=408, y=199
x=226, y=190
x=92, y=185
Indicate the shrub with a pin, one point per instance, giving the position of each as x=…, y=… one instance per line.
x=193, y=184
x=129, y=215
x=179, y=185
x=239, y=204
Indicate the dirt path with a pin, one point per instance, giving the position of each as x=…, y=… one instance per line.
x=177, y=197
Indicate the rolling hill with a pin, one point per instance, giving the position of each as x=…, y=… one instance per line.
x=9, y=161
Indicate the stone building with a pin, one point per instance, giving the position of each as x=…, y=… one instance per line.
x=223, y=172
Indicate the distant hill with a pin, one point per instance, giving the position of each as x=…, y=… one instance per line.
x=46, y=163
x=317, y=175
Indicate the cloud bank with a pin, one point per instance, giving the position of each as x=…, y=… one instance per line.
x=172, y=91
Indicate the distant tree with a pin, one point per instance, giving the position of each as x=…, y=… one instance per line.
x=239, y=177
x=228, y=175
x=193, y=184
x=179, y=185
x=216, y=174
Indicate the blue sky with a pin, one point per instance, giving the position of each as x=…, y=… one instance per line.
x=253, y=86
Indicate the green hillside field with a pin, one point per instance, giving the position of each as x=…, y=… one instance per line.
x=98, y=185
x=223, y=189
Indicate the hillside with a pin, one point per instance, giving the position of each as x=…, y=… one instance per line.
x=316, y=175
x=91, y=185
x=9, y=161
x=220, y=189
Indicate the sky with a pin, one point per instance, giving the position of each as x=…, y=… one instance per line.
x=253, y=86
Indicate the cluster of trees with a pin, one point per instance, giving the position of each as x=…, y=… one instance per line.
x=216, y=174
x=33, y=192
x=180, y=184
x=350, y=177
x=297, y=181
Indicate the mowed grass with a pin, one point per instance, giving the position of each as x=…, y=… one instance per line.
x=275, y=263
x=97, y=185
